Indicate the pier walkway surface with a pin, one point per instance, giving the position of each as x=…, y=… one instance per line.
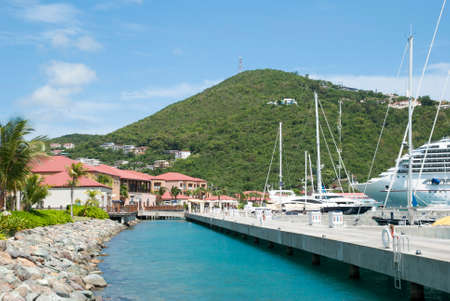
x=359, y=246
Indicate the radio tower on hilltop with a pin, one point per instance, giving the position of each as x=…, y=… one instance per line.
x=241, y=65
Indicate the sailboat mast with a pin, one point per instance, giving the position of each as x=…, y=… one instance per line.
x=340, y=136
x=410, y=96
x=306, y=173
x=311, y=173
x=281, y=157
x=319, y=174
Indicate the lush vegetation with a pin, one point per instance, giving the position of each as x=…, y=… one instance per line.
x=88, y=211
x=231, y=130
x=34, y=191
x=20, y=220
x=16, y=153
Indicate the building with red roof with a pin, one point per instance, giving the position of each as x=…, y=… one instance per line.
x=53, y=169
x=140, y=185
x=183, y=182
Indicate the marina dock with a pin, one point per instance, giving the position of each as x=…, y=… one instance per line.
x=425, y=263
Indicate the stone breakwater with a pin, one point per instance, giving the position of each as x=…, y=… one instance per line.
x=56, y=262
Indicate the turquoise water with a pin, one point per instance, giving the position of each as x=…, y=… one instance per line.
x=179, y=260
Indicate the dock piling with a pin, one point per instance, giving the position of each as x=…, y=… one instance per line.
x=416, y=292
x=315, y=259
x=354, y=271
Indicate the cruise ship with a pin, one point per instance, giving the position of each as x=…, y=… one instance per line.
x=433, y=186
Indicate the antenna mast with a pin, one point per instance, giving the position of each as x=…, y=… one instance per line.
x=241, y=65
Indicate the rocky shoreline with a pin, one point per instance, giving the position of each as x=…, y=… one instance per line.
x=55, y=262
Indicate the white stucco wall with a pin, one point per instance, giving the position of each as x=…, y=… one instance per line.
x=61, y=196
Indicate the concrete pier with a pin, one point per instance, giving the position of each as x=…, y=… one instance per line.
x=360, y=247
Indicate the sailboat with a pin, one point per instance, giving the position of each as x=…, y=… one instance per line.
x=406, y=164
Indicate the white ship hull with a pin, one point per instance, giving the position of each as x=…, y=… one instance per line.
x=426, y=194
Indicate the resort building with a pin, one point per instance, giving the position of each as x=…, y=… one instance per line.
x=54, y=171
x=89, y=161
x=55, y=145
x=183, y=182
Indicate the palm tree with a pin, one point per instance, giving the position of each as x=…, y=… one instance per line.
x=16, y=154
x=175, y=191
x=33, y=191
x=75, y=171
x=160, y=193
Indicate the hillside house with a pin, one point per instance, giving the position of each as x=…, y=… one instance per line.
x=69, y=145
x=55, y=145
x=183, y=154
x=161, y=164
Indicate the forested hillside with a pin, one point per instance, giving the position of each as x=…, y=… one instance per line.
x=231, y=130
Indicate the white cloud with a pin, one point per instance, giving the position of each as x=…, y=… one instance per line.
x=87, y=43
x=50, y=13
x=134, y=1
x=440, y=67
x=71, y=37
x=69, y=74
x=178, y=91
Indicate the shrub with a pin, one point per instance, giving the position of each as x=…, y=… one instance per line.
x=91, y=211
x=41, y=218
x=2, y=236
x=9, y=225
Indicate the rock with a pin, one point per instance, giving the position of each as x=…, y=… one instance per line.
x=78, y=296
x=49, y=297
x=25, y=262
x=95, y=280
x=40, y=252
x=42, y=282
x=3, y=245
x=88, y=294
x=62, y=289
x=31, y=297
x=5, y=258
x=23, y=290
x=5, y=286
x=13, y=296
x=25, y=273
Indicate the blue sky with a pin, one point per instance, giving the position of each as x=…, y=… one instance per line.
x=95, y=66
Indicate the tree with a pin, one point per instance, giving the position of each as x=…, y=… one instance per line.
x=33, y=191
x=105, y=179
x=123, y=191
x=75, y=171
x=160, y=193
x=16, y=154
x=92, y=200
x=426, y=101
x=175, y=191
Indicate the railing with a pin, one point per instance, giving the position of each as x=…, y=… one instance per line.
x=122, y=208
x=164, y=208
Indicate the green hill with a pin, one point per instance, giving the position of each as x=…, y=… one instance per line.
x=231, y=130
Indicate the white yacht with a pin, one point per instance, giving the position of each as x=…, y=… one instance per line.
x=431, y=188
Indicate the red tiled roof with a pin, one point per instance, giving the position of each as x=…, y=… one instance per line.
x=56, y=164
x=134, y=175
x=62, y=179
x=51, y=164
x=167, y=196
x=104, y=169
x=222, y=198
x=176, y=176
